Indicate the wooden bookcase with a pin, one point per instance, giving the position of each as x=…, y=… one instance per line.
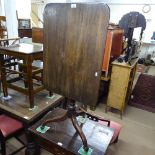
x=121, y=82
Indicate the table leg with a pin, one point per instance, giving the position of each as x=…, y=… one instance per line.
x=32, y=147
x=3, y=76
x=23, y=70
x=30, y=82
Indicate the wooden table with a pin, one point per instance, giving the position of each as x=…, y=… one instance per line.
x=62, y=139
x=28, y=53
x=5, y=41
x=18, y=108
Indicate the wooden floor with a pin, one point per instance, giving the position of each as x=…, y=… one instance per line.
x=19, y=104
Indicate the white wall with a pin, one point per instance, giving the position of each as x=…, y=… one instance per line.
x=117, y=11
x=8, y=8
x=23, y=8
x=120, y=7
x=11, y=19
x=38, y=9
x=2, y=13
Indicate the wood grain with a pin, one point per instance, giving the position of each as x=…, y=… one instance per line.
x=98, y=136
x=18, y=106
x=74, y=38
x=37, y=35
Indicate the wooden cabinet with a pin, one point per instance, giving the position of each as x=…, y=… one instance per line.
x=113, y=46
x=24, y=28
x=37, y=35
x=25, y=33
x=120, y=88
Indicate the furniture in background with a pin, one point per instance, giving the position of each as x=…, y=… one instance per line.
x=24, y=28
x=147, y=48
x=62, y=138
x=113, y=47
x=28, y=53
x=104, y=88
x=116, y=127
x=121, y=85
x=4, y=40
x=37, y=35
x=22, y=32
x=17, y=108
x=3, y=28
x=9, y=128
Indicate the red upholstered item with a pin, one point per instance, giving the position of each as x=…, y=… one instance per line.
x=9, y=125
x=115, y=126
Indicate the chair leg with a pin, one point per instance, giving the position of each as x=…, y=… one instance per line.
x=3, y=147
x=116, y=140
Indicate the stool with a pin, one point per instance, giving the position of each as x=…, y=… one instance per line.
x=9, y=128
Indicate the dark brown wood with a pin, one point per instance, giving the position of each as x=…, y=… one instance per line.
x=24, y=28
x=69, y=113
x=74, y=38
x=98, y=136
x=28, y=53
x=37, y=35
x=113, y=46
x=18, y=106
x=25, y=33
x=72, y=112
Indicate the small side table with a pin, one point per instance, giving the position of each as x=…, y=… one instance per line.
x=62, y=139
x=28, y=53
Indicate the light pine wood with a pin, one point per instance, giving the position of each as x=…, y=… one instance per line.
x=121, y=84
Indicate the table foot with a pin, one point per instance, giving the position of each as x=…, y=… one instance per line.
x=6, y=98
x=32, y=149
x=34, y=108
x=50, y=97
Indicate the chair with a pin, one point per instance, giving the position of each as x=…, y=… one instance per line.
x=4, y=39
x=9, y=128
x=114, y=125
x=117, y=128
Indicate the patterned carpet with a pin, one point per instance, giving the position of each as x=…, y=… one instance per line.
x=143, y=95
